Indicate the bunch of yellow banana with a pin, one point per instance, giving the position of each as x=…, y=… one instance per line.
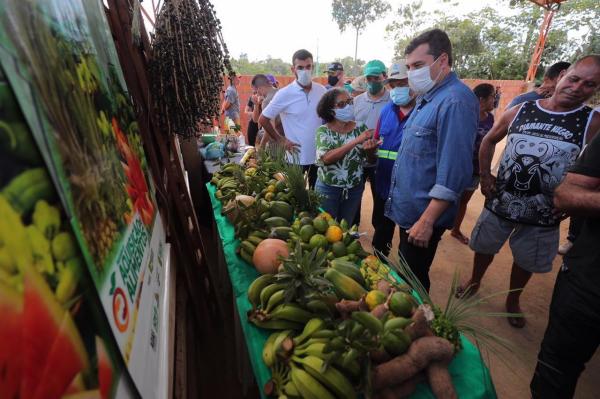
x=301, y=367
x=373, y=270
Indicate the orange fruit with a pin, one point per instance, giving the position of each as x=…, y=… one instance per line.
x=334, y=234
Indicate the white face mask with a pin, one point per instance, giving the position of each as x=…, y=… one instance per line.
x=304, y=76
x=420, y=80
x=345, y=114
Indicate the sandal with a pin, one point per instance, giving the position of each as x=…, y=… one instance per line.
x=516, y=322
x=460, y=237
x=467, y=290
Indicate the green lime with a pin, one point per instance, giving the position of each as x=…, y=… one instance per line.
x=401, y=304
x=354, y=247
x=320, y=224
x=306, y=232
x=339, y=249
x=306, y=220
x=318, y=241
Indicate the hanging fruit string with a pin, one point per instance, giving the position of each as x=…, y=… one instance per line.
x=188, y=64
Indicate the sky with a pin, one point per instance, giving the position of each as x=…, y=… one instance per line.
x=277, y=28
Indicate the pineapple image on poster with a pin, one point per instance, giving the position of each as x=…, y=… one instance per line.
x=73, y=90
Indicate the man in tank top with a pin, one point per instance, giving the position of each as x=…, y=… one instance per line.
x=544, y=138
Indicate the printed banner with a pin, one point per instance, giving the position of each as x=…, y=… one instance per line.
x=55, y=340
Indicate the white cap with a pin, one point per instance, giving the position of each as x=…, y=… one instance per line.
x=397, y=71
x=359, y=83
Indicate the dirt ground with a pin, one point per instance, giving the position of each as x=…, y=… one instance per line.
x=512, y=382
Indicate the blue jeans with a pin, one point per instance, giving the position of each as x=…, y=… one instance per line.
x=339, y=202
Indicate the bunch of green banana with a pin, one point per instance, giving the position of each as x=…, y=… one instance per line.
x=25, y=189
x=227, y=183
x=248, y=245
x=270, y=309
x=274, y=350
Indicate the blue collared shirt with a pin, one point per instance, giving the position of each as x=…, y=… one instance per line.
x=435, y=159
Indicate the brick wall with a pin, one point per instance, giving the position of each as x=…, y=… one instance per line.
x=509, y=88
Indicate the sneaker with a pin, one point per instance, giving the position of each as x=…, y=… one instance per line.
x=563, y=249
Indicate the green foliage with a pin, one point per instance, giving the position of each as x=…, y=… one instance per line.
x=357, y=14
x=274, y=66
x=490, y=45
x=352, y=68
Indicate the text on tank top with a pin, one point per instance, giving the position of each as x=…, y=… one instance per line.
x=541, y=146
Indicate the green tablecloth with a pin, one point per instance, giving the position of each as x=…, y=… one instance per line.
x=470, y=376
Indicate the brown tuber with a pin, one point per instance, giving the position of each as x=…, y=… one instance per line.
x=420, y=325
x=420, y=354
x=379, y=356
x=345, y=307
x=440, y=380
x=384, y=286
x=380, y=310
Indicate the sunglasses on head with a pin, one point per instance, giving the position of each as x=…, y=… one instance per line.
x=342, y=104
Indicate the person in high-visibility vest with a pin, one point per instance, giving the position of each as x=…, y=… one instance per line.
x=389, y=132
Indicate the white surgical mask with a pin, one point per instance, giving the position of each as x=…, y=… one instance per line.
x=400, y=95
x=420, y=80
x=345, y=114
x=304, y=76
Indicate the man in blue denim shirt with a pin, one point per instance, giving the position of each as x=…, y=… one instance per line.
x=435, y=161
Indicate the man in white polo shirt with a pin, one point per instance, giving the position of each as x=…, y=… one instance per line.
x=296, y=104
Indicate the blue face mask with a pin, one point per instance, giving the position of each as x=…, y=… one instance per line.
x=345, y=114
x=400, y=95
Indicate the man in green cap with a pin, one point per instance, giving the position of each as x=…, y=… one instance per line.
x=368, y=105
x=367, y=108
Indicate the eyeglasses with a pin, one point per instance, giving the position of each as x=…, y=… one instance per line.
x=342, y=104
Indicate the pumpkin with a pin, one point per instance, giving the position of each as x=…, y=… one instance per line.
x=267, y=255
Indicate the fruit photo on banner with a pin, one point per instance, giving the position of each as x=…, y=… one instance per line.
x=55, y=341
x=88, y=123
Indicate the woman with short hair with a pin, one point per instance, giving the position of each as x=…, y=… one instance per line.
x=342, y=148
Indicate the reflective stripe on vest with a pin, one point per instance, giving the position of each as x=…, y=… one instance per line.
x=387, y=154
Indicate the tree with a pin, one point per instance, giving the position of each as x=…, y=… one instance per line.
x=274, y=66
x=352, y=67
x=490, y=45
x=356, y=14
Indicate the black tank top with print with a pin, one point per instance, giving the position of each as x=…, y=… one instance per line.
x=541, y=146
